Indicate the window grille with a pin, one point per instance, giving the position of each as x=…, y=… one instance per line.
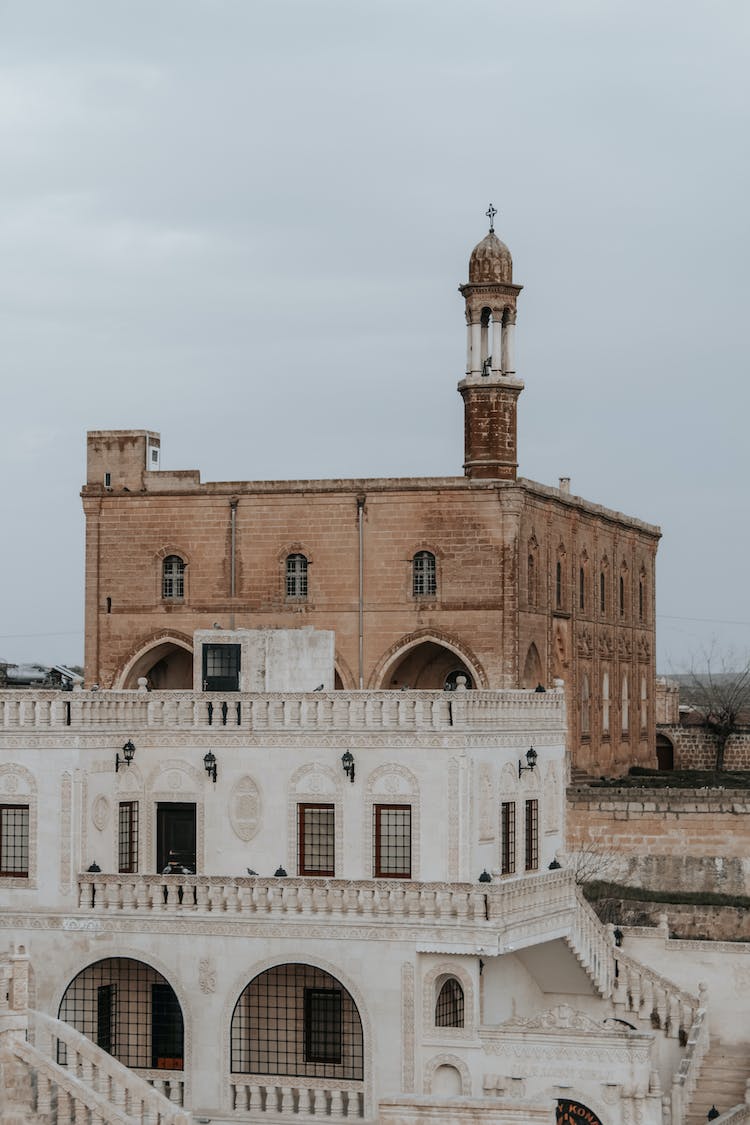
x=296, y=576
x=128, y=1009
x=625, y=704
x=323, y=1025
x=127, y=839
x=316, y=839
x=300, y=1021
x=532, y=835
x=508, y=837
x=173, y=577
x=424, y=574
x=585, y=705
x=449, y=1010
x=14, y=840
x=392, y=841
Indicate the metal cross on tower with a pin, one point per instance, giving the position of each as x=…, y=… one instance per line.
x=490, y=213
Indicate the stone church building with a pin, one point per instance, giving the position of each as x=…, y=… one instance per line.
x=487, y=576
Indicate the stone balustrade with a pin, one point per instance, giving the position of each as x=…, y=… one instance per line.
x=523, y=901
x=302, y=1097
x=685, y=1079
x=312, y=711
x=650, y=996
x=75, y=1078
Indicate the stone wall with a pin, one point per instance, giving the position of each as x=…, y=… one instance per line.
x=689, y=922
x=696, y=840
x=695, y=747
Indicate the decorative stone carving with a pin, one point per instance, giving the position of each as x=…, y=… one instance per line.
x=206, y=975
x=560, y=1018
x=486, y=804
x=100, y=812
x=407, y=1027
x=447, y=1060
x=66, y=800
x=245, y=808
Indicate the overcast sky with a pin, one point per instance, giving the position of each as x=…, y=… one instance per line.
x=243, y=225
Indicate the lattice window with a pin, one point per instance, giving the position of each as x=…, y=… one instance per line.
x=508, y=837
x=449, y=1009
x=296, y=576
x=424, y=575
x=173, y=577
x=392, y=841
x=127, y=837
x=532, y=836
x=316, y=839
x=129, y=1010
x=297, y=1020
x=14, y=841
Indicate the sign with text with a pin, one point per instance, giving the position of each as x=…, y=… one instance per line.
x=574, y=1113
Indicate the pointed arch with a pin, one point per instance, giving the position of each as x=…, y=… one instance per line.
x=532, y=668
x=430, y=664
x=168, y=652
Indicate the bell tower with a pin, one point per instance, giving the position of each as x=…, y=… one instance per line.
x=490, y=388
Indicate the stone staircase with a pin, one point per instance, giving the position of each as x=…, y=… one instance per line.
x=722, y=1081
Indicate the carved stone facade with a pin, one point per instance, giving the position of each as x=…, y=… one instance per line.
x=522, y=583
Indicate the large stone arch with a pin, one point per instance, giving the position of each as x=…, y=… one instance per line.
x=433, y=1065
x=243, y=979
x=167, y=655
x=146, y=959
x=426, y=657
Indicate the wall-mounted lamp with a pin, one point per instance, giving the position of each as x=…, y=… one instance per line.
x=485, y=877
x=209, y=764
x=347, y=761
x=712, y=1114
x=530, y=761
x=128, y=752
x=279, y=873
x=618, y=935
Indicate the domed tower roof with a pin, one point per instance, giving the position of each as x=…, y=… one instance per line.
x=490, y=261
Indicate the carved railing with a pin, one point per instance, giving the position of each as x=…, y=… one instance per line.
x=650, y=996
x=591, y=942
x=685, y=1079
x=272, y=1096
x=496, y=907
x=88, y=1078
x=288, y=712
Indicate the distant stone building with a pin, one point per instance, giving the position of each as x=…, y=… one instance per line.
x=487, y=576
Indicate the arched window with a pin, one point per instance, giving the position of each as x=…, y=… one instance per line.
x=605, y=704
x=296, y=576
x=424, y=575
x=644, y=702
x=625, y=704
x=622, y=594
x=300, y=1021
x=173, y=577
x=585, y=705
x=531, y=579
x=581, y=588
x=449, y=1009
x=602, y=592
x=558, y=585
x=642, y=597
x=129, y=1010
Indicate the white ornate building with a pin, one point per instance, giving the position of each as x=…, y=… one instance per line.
x=376, y=928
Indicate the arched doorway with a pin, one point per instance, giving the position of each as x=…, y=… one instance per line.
x=129, y=1010
x=664, y=752
x=532, y=668
x=300, y=1021
x=571, y=1112
x=167, y=664
x=427, y=666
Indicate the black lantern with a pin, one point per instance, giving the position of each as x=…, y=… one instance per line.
x=530, y=761
x=347, y=761
x=209, y=764
x=279, y=873
x=485, y=877
x=618, y=935
x=128, y=752
x=712, y=1114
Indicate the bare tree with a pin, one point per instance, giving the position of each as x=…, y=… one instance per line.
x=722, y=700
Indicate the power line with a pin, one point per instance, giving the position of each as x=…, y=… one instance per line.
x=704, y=620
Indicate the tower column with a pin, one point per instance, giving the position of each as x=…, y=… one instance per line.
x=497, y=344
x=509, y=330
x=468, y=344
x=475, y=367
